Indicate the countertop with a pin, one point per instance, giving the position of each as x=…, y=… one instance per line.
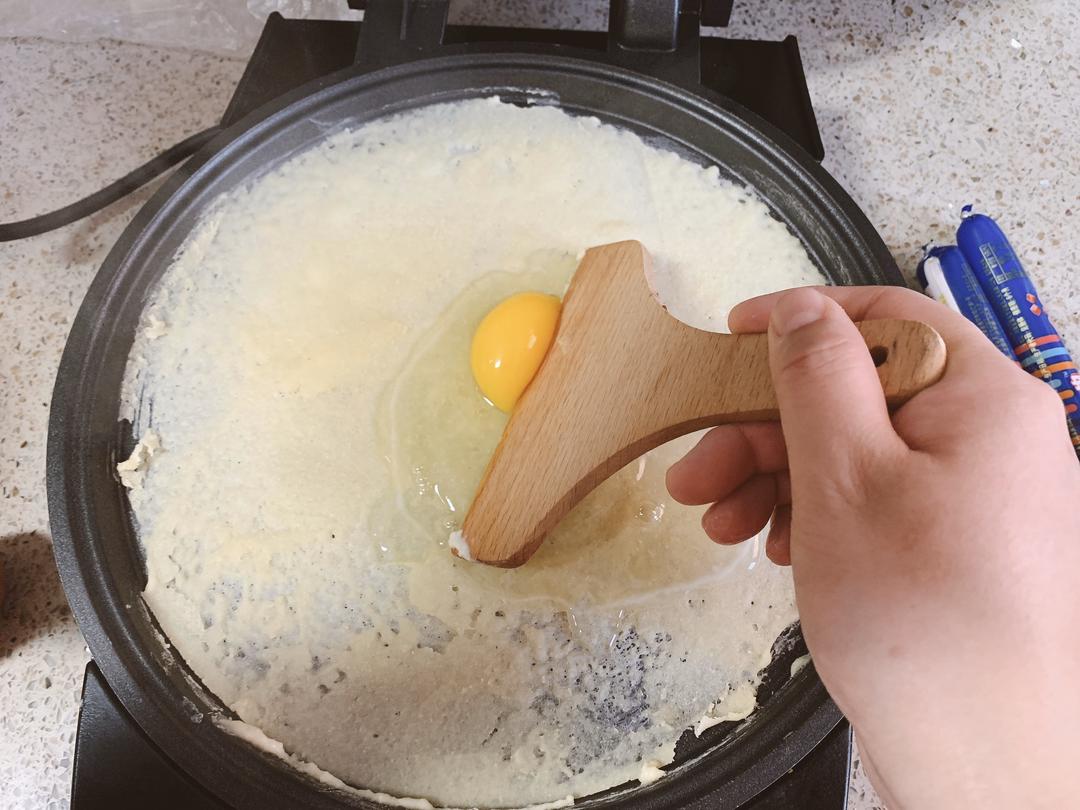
x=922, y=107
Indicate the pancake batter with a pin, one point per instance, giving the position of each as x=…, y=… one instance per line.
x=314, y=437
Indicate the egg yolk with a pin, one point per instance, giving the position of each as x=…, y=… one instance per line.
x=510, y=343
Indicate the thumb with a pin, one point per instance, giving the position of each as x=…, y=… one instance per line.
x=832, y=407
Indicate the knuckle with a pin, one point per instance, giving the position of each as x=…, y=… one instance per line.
x=1045, y=400
x=894, y=299
x=1025, y=392
x=1023, y=395
x=899, y=295
x=831, y=354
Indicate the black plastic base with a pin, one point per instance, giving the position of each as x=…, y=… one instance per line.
x=117, y=767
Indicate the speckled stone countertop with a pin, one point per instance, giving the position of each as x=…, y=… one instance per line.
x=922, y=107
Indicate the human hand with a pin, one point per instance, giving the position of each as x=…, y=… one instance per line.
x=936, y=553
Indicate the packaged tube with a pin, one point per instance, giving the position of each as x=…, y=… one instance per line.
x=946, y=276
x=1012, y=294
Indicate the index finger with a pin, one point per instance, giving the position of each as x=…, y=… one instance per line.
x=726, y=458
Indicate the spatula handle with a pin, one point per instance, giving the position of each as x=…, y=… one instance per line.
x=719, y=379
x=622, y=377
x=909, y=356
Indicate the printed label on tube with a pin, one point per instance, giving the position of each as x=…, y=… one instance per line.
x=1012, y=294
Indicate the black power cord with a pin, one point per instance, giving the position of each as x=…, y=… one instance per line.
x=10, y=231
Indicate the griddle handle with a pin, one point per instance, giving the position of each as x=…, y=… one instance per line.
x=644, y=25
x=659, y=37
x=396, y=31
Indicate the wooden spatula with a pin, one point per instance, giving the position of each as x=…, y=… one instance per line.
x=622, y=377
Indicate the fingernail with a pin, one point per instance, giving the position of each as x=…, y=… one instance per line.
x=796, y=309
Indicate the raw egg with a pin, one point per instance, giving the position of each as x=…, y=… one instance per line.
x=509, y=345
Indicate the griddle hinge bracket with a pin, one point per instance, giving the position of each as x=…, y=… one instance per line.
x=662, y=39
x=396, y=31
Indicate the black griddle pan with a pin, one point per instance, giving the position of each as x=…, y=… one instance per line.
x=95, y=543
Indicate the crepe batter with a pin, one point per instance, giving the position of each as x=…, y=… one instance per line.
x=312, y=436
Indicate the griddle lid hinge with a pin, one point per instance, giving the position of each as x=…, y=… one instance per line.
x=659, y=38
x=396, y=31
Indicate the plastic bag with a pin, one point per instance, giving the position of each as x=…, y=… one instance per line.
x=229, y=27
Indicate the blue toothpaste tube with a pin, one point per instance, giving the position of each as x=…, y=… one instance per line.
x=1011, y=293
x=946, y=276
